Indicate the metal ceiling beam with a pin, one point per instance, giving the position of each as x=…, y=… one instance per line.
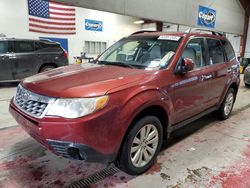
x=246, y=5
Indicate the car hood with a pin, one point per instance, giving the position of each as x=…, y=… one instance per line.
x=86, y=80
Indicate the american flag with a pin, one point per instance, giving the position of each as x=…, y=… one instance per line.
x=51, y=17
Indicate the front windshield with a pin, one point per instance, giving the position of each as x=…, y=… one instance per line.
x=141, y=52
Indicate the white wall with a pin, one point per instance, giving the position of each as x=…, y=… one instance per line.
x=14, y=23
x=235, y=41
x=247, y=51
x=229, y=13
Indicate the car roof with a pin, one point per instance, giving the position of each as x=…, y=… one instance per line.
x=34, y=40
x=180, y=34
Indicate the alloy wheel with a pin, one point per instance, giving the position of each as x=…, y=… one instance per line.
x=229, y=104
x=144, y=145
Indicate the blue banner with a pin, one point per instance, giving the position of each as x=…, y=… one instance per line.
x=206, y=17
x=93, y=25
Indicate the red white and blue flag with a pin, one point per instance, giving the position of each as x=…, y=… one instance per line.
x=51, y=17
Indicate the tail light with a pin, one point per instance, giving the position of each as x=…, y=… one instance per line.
x=65, y=53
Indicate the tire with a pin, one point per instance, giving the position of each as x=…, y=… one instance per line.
x=46, y=68
x=124, y=160
x=226, y=107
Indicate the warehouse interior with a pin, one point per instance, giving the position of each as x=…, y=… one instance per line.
x=81, y=36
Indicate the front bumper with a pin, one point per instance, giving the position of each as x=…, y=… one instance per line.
x=86, y=139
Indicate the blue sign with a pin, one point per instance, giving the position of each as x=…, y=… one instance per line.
x=206, y=17
x=63, y=42
x=93, y=25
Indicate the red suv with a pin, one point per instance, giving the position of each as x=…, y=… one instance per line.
x=121, y=107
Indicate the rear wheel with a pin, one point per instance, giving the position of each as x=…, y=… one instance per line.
x=141, y=146
x=227, y=105
x=47, y=68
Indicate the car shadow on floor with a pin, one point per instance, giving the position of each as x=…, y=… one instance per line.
x=189, y=129
x=34, y=166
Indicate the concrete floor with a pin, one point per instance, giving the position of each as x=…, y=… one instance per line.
x=207, y=153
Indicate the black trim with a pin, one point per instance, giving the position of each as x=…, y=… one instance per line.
x=187, y=121
x=142, y=31
x=79, y=151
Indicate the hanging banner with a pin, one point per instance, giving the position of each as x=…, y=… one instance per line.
x=93, y=25
x=206, y=17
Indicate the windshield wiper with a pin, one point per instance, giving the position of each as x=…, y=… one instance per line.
x=120, y=64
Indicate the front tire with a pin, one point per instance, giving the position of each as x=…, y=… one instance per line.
x=227, y=105
x=141, y=146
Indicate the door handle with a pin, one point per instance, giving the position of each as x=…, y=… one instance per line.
x=206, y=77
x=229, y=70
x=12, y=57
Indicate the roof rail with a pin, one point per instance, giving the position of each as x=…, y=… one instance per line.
x=205, y=30
x=142, y=31
x=45, y=40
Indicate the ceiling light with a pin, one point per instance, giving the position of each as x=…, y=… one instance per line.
x=139, y=22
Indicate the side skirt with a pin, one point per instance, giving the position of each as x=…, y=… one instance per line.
x=187, y=121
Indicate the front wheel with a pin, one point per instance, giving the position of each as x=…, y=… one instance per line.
x=227, y=105
x=141, y=146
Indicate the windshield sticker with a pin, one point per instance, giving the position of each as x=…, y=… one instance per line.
x=168, y=37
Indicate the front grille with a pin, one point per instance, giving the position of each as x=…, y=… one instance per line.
x=32, y=103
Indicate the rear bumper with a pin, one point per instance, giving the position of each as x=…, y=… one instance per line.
x=81, y=139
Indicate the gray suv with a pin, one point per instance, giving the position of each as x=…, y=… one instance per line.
x=21, y=58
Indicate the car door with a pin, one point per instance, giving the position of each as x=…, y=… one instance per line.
x=217, y=72
x=25, y=62
x=5, y=63
x=190, y=92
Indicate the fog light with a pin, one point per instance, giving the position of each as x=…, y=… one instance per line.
x=74, y=153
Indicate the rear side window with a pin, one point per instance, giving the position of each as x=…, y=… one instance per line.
x=3, y=47
x=23, y=46
x=38, y=46
x=228, y=50
x=47, y=47
x=215, y=51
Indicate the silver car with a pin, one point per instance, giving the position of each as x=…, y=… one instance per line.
x=247, y=76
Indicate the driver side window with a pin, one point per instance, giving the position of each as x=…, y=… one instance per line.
x=195, y=50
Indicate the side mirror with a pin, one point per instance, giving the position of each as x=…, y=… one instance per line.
x=187, y=65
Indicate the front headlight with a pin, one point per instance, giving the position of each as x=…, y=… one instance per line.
x=76, y=107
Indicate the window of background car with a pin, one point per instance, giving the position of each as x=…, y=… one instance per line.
x=228, y=50
x=195, y=50
x=215, y=51
x=38, y=46
x=141, y=52
x=23, y=46
x=3, y=47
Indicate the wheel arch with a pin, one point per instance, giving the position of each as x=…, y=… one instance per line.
x=234, y=86
x=155, y=110
x=47, y=64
